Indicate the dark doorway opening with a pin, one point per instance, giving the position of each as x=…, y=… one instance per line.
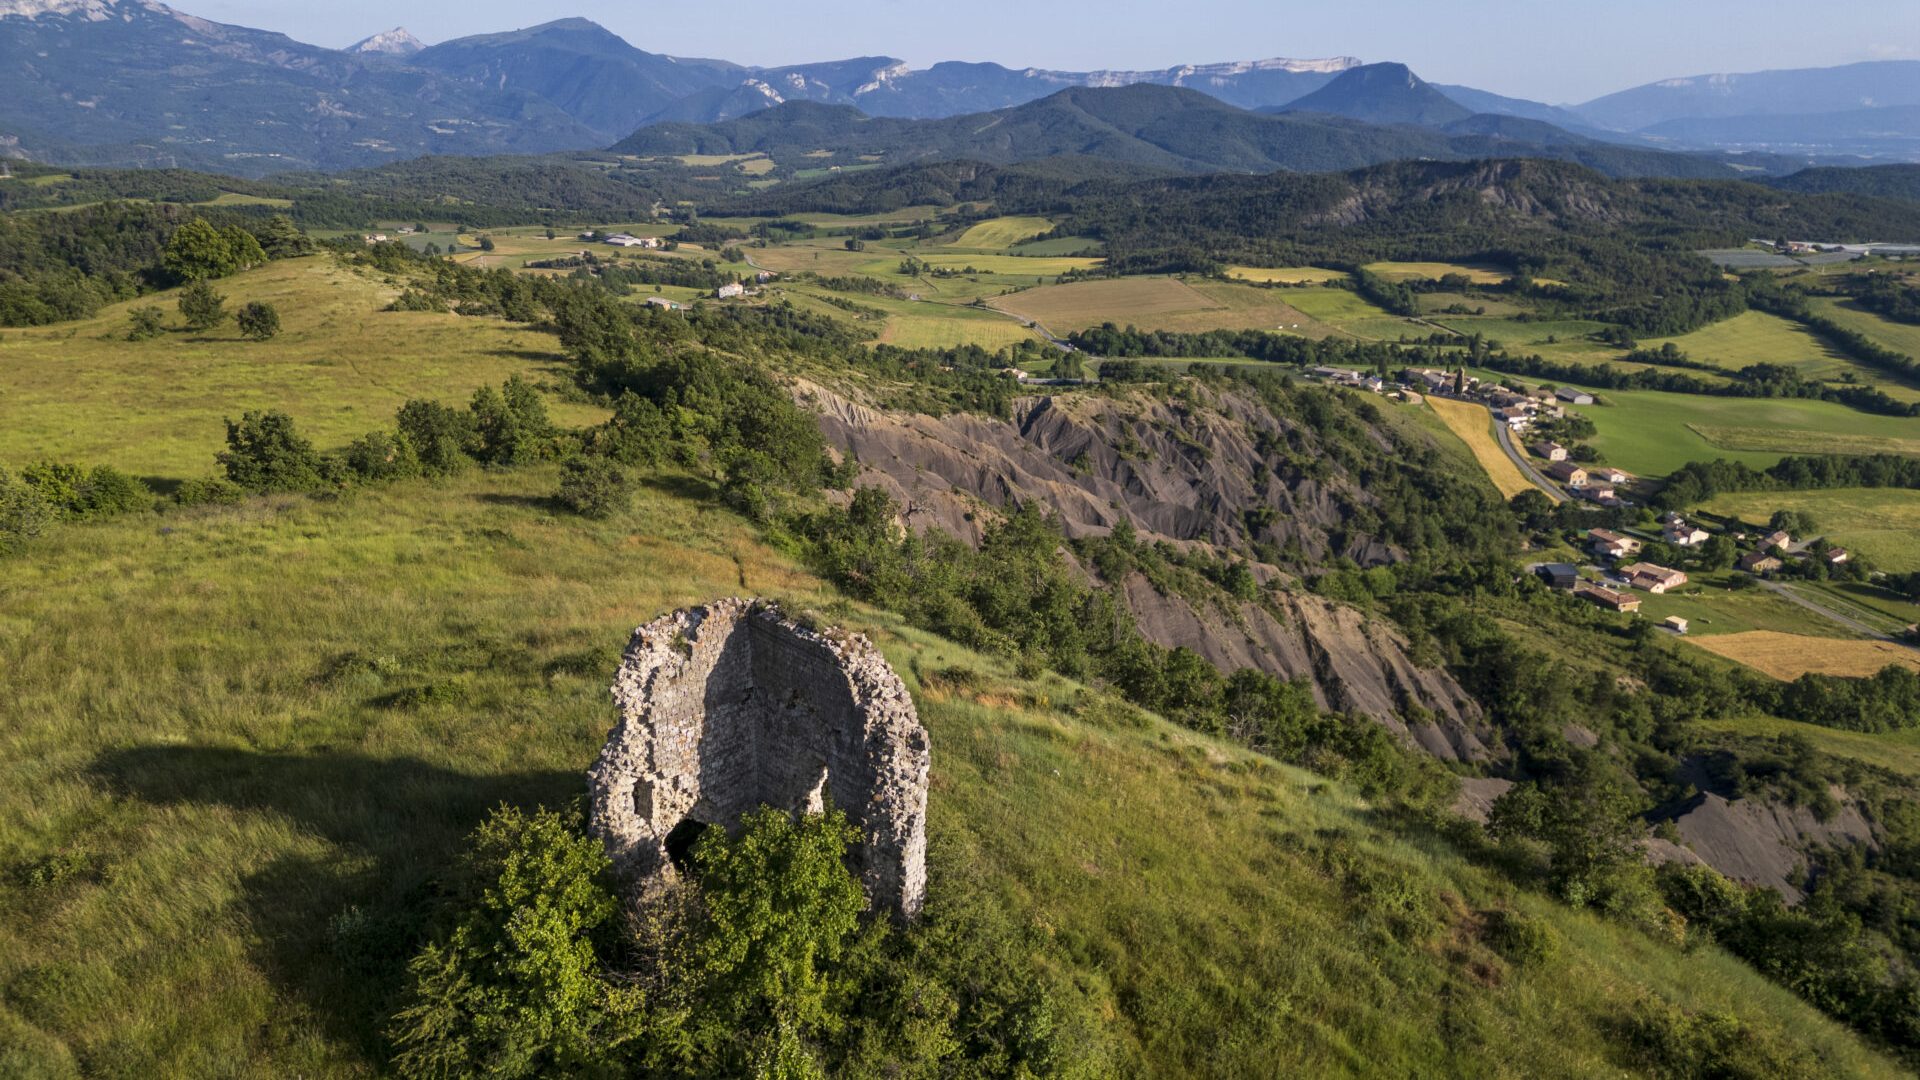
x=681, y=840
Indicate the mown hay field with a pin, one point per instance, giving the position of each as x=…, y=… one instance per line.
x=1789, y=656
x=1478, y=273
x=1002, y=232
x=1474, y=426
x=1652, y=433
x=1285, y=275
x=1160, y=303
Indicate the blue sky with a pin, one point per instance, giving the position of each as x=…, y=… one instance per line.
x=1551, y=50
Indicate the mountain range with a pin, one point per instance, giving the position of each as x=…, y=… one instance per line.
x=135, y=82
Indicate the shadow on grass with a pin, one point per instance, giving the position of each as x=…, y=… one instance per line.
x=335, y=931
x=544, y=503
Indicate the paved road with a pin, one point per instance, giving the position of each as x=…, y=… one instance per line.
x=1505, y=435
x=1823, y=611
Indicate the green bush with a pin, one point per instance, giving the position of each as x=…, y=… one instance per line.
x=1668, y=1042
x=265, y=453
x=439, y=435
x=76, y=492
x=145, y=322
x=379, y=456
x=516, y=989
x=23, y=513
x=203, y=308
x=209, y=491
x=594, y=486
x=258, y=321
x=1522, y=939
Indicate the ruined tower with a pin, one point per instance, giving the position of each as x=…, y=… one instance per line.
x=732, y=705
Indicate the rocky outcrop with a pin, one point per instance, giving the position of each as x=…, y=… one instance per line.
x=731, y=706
x=1184, y=473
x=1762, y=841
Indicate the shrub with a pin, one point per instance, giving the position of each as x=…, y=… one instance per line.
x=23, y=512
x=1523, y=940
x=516, y=989
x=1667, y=1041
x=145, y=322
x=594, y=486
x=203, y=308
x=265, y=453
x=415, y=300
x=439, y=435
x=258, y=321
x=77, y=492
x=509, y=422
x=209, y=491
x=379, y=455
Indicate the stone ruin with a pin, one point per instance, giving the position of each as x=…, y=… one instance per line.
x=733, y=705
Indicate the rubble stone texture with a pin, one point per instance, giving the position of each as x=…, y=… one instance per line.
x=729, y=706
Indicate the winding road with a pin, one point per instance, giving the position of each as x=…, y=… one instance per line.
x=1505, y=435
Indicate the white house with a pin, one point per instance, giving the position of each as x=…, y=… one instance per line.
x=1681, y=534
x=1573, y=397
x=730, y=290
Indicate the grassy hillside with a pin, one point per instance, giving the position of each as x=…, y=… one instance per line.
x=244, y=743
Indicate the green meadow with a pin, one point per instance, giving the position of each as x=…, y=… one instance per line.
x=1653, y=433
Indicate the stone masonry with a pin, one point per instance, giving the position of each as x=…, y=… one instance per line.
x=732, y=705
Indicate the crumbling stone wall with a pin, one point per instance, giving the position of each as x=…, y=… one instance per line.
x=732, y=705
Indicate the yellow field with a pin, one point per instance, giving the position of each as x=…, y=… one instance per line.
x=341, y=366
x=1160, y=303
x=1475, y=428
x=697, y=160
x=1478, y=273
x=1285, y=275
x=1003, y=232
x=1789, y=656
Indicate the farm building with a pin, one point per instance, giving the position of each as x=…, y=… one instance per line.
x=1675, y=623
x=1778, y=539
x=1652, y=578
x=663, y=302
x=1573, y=397
x=624, y=240
x=1608, y=598
x=1607, y=474
x=1550, y=451
x=1558, y=575
x=1759, y=562
x=1568, y=473
x=1836, y=556
x=1611, y=544
x=730, y=290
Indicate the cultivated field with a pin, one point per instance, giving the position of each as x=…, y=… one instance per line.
x=1002, y=232
x=1475, y=428
x=82, y=392
x=1804, y=442
x=1285, y=275
x=1789, y=656
x=1478, y=273
x=938, y=326
x=1653, y=433
x=1755, y=337
x=1882, y=524
x=1161, y=304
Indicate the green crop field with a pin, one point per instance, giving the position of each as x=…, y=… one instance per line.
x=1334, y=306
x=1882, y=524
x=1755, y=337
x=938, y=326
x=1003, y=232
x=1155, y=303
x=80, y=391
x=1062, y=245
x=1653, y=433
x=1478, y=273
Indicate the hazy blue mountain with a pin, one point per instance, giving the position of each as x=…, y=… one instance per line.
x=1874, y=84
x=133, y=82
x=1155, y=127
x=1383, y=94
x=586, y=70
x=1893, y=130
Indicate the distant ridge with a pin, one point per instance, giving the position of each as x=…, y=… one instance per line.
x=1383, y=94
